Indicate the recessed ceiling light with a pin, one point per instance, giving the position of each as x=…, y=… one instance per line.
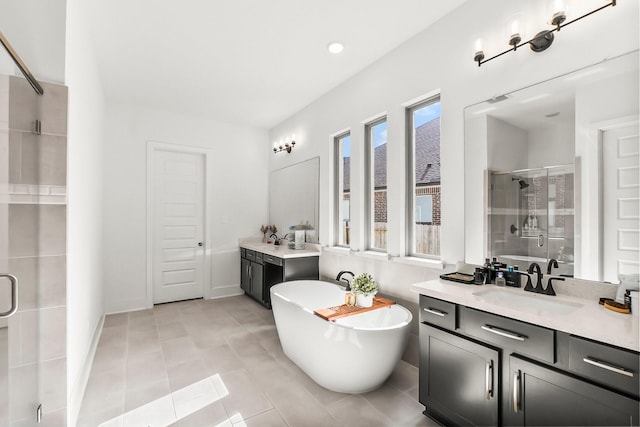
x=335, y=47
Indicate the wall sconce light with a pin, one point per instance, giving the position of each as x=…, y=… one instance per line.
x=286, y=144
x=542, y=40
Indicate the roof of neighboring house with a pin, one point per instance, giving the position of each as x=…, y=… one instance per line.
x=427, y=153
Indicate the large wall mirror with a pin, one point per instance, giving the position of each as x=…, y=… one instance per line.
x=293, y=196
x=551, y=173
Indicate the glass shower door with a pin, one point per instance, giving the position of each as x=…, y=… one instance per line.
x=533, y=215
x=19, y=238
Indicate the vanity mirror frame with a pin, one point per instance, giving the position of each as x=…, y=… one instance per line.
x=619, y=106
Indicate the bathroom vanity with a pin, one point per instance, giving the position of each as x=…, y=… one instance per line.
x=262, y=266
x=499, y=356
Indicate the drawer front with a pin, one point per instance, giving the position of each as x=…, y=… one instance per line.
x=272, y=259
x=243, y=253
x=523, y=338
x=251, y=255
x=438, y=312
x=259, y=256
x=612, y=366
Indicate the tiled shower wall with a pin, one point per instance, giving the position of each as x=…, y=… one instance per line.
x=37, y=252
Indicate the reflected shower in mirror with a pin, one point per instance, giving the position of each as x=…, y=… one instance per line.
x=551, y=174
x=531, y=217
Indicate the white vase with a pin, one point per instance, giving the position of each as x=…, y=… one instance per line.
x=363, y=300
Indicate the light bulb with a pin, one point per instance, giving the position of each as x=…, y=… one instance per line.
x=335, y=47
x=559, y=13
x=515, y=27
x=478, y=45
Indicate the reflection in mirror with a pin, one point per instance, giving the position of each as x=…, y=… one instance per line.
x=293, y=196
x=551, y=173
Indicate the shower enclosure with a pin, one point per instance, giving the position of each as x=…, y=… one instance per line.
x=33, y=151
x=531, y=217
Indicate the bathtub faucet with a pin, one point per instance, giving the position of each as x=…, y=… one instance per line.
x=339, y=277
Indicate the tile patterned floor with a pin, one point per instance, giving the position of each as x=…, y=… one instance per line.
x=219, y=363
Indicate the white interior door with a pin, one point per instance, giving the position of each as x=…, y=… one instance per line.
x=621, y=202
x=178, y=240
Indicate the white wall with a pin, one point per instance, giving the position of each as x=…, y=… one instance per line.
x=506, y=146
x=552, y=145
x=441, y=58
x=240, y=194
x=36, y=30
x=85, y=304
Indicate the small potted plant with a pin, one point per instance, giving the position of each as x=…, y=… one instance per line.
x=365, y=288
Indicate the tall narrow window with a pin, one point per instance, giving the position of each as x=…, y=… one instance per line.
x=377, y=184
x=342, y=199
x=424, y=179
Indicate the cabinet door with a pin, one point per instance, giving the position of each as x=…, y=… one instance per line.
x=257, y=280
x=544, y=397
x=245, y=283
x=458, y=378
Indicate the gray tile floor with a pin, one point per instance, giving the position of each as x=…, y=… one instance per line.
x=219, y=363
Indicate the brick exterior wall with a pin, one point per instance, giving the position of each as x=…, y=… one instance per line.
x=380, y=206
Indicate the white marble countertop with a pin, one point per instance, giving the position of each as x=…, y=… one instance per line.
x=585, y=318
x=280, y=251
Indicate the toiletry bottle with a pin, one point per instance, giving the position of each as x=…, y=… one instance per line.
x=500, y=281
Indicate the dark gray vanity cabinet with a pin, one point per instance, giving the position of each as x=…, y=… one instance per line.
x=251, y=273
x=541, y=396
x=259, y=271
x=478, y=368
x=458, y=378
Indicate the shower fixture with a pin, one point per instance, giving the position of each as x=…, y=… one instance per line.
x=523, y=184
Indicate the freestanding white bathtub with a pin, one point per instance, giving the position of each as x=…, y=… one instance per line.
x=353, y=354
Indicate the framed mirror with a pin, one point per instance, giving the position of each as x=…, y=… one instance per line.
x=293, y=195
x=551, y=173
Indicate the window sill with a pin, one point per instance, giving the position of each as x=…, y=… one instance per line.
x=380, y=256
x=420, y=262
x=338, y=250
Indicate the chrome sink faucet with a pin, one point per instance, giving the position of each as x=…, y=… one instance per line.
x=344, y=279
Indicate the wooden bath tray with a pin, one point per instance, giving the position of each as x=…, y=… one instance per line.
x=333, y=313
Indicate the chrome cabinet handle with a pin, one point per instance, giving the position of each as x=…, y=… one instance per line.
x=516, y=391
x=504, y=333
x=489, y=380
x=435, y=311
x=608, y=367
x=540, y=240
x=14, y=296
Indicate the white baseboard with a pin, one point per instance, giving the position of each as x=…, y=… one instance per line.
x=225, y=291
x=74, y=399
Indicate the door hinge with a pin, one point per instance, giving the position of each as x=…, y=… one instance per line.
x=38, y=127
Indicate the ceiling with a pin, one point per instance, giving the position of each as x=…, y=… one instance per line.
x=251, y=62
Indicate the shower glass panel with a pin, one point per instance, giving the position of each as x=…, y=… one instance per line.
x=531, y=217
x=19, y=242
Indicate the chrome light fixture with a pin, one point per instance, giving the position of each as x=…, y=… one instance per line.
x=543, y=39
x=286, y=144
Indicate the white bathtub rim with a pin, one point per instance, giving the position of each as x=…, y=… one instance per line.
x=400, y=325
